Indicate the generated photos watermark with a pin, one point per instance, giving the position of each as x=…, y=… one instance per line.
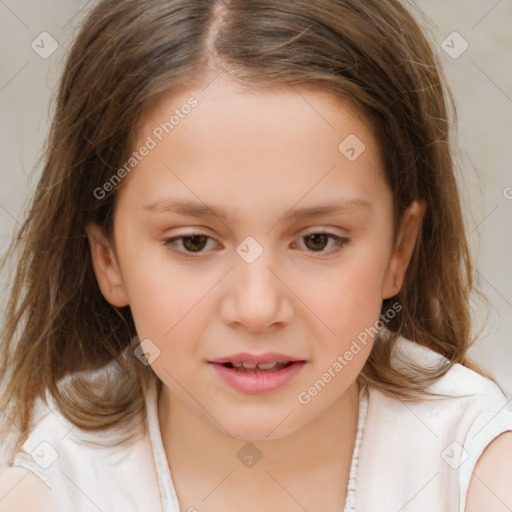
x=151, y=142
x=305, y=397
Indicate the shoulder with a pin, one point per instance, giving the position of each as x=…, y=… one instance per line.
x=63, y=467
x=461, y=402
x=28, y=483
x=490, y=488
x=474, y=419
x=458, y=382
x=23, y=491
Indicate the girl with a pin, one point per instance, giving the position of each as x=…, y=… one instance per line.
x=244, y=280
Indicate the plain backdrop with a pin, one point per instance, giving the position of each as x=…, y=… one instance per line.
x=474, y=40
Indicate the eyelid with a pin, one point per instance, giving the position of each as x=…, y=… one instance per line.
x=326, y=231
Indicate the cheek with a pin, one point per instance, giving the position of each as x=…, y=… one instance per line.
x=173, y=321
x=348, y=299
x=165, y=300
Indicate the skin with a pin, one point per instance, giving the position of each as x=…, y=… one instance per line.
x=490, y=486
x=256, y=155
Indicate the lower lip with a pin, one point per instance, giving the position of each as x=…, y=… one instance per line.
x=258, y=382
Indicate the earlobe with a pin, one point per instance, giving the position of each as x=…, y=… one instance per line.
x=106, y=267
x=404, y=248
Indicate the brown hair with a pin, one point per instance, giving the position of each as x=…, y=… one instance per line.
x=58, y=326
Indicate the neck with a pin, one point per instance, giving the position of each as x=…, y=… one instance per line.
x=320, y=452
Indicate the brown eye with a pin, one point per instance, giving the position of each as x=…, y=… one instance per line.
x=187, y=245
x=194, y=243
x=318, y=241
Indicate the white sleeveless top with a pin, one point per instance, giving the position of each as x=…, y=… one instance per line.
x=414, y=457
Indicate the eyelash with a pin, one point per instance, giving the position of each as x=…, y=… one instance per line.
x=170, y=243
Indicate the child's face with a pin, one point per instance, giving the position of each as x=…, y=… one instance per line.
x=258, y=284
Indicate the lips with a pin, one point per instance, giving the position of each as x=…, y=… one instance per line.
x=256, y=359
x=247, y=367
x=257, y=373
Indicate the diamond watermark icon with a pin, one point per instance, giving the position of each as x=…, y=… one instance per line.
x=44, y=454
x=454, y=455
x=454, y=45
x=147, y=352
x=249, y=250
x=249, y=455
x=352, y=147
x=44, y=45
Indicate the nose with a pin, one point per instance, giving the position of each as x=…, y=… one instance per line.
x=257, y=297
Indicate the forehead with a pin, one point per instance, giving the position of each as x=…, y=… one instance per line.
x=239, y=144
x=291, y=108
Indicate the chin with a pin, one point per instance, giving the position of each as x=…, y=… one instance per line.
x=257, y=428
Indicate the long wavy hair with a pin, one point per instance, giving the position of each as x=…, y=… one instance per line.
x=60, y=336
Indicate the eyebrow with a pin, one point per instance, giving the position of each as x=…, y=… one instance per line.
x=198, y=209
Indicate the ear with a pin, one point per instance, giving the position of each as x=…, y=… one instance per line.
x=106, y=267
x=402, y=252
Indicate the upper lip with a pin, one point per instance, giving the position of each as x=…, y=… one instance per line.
x=245, y=357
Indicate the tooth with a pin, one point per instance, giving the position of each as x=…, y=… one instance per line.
x=249, y=365
x=237, y=365
x=267, y=366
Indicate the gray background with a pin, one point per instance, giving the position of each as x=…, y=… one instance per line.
x=481, y=80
